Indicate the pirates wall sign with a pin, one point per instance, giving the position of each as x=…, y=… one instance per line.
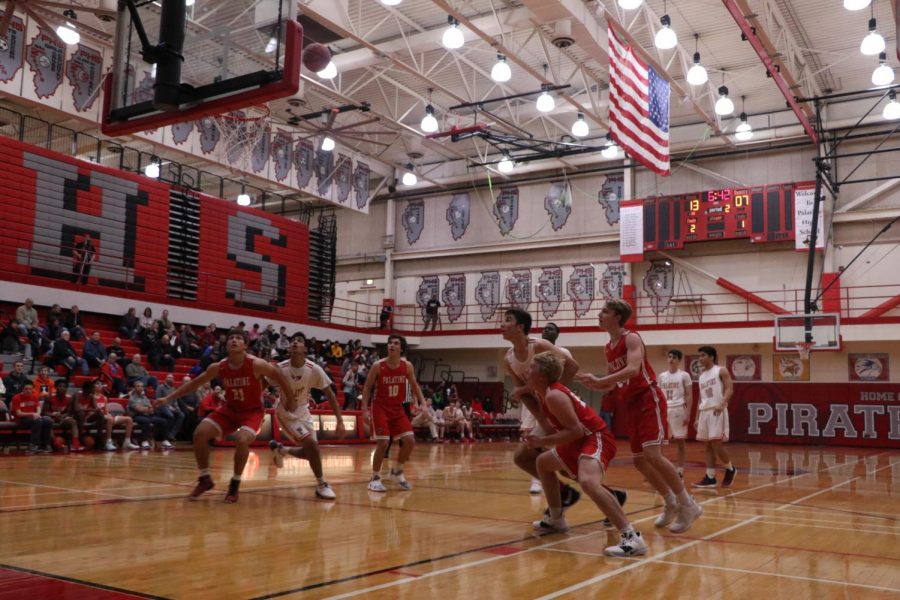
x=580, y=288
x=454, y=295
x=549, y=290
x=413, y=220
x=487, y=294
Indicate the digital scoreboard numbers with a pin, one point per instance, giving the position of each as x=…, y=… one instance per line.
x=762, y=214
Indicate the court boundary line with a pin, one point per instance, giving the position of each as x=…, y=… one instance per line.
x=89, y=584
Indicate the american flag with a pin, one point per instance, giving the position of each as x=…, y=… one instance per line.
x=638, y=107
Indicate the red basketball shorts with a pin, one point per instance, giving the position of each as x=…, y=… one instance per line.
x=229, y=420
x=599, y=446
x=390, y=423
x=647, y=421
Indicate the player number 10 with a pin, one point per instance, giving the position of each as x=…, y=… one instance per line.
x=393, y=391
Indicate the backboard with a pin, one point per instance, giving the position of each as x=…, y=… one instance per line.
x=823, y=331
x=233, y=54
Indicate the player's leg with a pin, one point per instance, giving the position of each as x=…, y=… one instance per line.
x=402, y=430
x=128, y=422
x=207, y=430
x=722, y=454
x=546, y=466
x=682, y=452
x=243, y=438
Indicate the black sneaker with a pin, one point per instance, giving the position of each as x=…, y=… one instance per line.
x=232, y=496
x=729, y=477
x=204, y=484
x=706, y=482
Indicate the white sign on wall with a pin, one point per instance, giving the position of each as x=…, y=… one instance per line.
x=803, y=214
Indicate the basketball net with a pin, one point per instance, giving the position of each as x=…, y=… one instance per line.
x=242, y=132
x=803, y=349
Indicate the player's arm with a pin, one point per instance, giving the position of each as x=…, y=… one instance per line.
x=369, y=386
x=414, y=385
x=559, y=405
x=688, y=396
x=332, y=401
x=194, y=384
x=262, y=368
x=522, y=393
x=727, y=387
x=634, y=361
x=570, y=365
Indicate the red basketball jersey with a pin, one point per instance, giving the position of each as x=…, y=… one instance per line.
x=60, y=404
x=617, y=359
x=102, y=403
x=590, y=421
x=243, y=390
x=391, y=390
x=84, y=402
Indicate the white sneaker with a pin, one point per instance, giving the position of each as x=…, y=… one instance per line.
x=630, y=545
x=551, y=525
x=110, y=446
x=129, y=445
x=324, y=491
x=375, y=485
x=167, y=445
x=686, y=516
x=277, y=453
x=668, y=515
x=145, y=445
x=401, y=481
x=536, y=487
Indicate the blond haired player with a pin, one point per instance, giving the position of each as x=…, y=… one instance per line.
x=678, y=388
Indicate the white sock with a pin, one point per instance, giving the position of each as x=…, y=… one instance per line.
x=205, y=473
x=711, y=473
x=670, y=499
x=320, y=480
x=556, y=513
x=684, y=499
x=535, y=481
x=235, y=477
x=375, y=475
x=628, y=531
x=729, y=466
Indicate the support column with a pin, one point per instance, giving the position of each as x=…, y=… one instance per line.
x=389, y=229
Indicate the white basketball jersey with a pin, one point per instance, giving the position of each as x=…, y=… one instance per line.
x=673, y=385
x=303, y=379
x=712, y=392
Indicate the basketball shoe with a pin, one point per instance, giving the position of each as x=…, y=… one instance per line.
x=729, y=477
x=630, y=544
x=551, y=525
x=204, y=484
x=324, y=491
x=536, y=487
x=706, y=482
x=277, y=453
x=398, y=478
x=687, y=514
x=375, y=484
x=669, y=513
x=232, y=496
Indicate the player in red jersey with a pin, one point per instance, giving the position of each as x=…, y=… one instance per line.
x=59, y=408
x=388, y=378
x=243, y=412
x=629, y=369
x=582, y=447
x=92, y=408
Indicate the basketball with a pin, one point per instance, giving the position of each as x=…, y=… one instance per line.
x=88, y=442
x=59, y=443
x=316, y=57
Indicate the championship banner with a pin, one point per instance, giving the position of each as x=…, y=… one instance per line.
x=631, y=231
x=833, y=414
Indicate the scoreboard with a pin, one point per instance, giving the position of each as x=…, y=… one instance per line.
x=762, y=214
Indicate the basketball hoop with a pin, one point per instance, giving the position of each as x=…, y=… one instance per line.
x=803, y=349
x=244, y=134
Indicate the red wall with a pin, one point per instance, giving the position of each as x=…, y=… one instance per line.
x=249, y=261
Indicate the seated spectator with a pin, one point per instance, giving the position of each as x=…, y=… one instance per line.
x=15, y=381
x=59, y=408
x=424, y=417
x=44, y=386
x=93, y=352
x=165, y=322
x=27, y=318
x=53, y=330
x=350, y=384
x=149, y=336
x=189, y=405
x=211, y=402
x=130, y=326
x=146, y=321
x=64, y=354
x=112, y=376
x=92, y=410
x=26, y=407
x=160, y=355
x=253, y=334
x=337, y=353
x=73, y=323
x=171, y=411
x=136, y=371
x=283, y=343
x=209, y=337
x=262, y=347
x=116, y=348
x=188, y=344
x=9, y=338
x=471, y=420
x=271, y=396
x=453, y=419
x=141, y=409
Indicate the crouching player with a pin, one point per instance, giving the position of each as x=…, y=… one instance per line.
x=582, y=447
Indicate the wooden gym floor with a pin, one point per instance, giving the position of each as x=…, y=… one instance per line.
x=800, y=522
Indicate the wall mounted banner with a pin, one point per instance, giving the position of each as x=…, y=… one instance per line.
x=612, y=190
x=803, y=211
x=869, y=367
x=612, y=281
x=506, y=209
x=549, y=290
x=413, y=220
x=659, y=284
x=454, y=295
x=430, y=286
x=558, y=204
x=12, y=47
x=580, y=288
x=518, y=289
x=458, y=215
x=631, y=231
x=745, y=367
x=790, y=367
x=487, y=294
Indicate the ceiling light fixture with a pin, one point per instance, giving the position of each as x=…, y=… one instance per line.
x=329, y=72
x=243, y=199
x=409, y=177
x=883, y=73
x=724, y=105
x=630, y=4
x=67, y=32
x=856, y=4
x=152, y=169
x=500, y=72
x=506, y=164
x=743, y=132
x=697, y=74
x=580, y=127
x=327, y=144
x=391, y=2
x=429, y=122
x=873, y=43
x=453, y=37
x=610, y=151
x=545, y=102
x=273, y=43
x=189, y=2
x=665, y=39
x=891, y=110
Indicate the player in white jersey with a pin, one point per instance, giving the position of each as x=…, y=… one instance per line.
x=515, y=329
x=712, y=417
x=676, y=385
x=294, y=417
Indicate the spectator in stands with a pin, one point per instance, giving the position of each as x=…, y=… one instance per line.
x=27, y=318
x=93, y=352
x=26, y=407
x=59, y=408
x=424, y=417
x=15, y=381
x=146, y=321
x=116, y=348
x=283, y=343
x=171, y=412
x=254, y=332
x=208, y=338
x=83, y=255
x=64, y=354
x=4, y=410
x=189, y=405
x=211, y=402
x=432, y=314
x=384, y=318
x=188, y=344
x=130, y=325
x=43, y=384
x=56, y=311
x=73, y=323
x=149, y=337
x=241, y=326
x=438, y=417
x=9, y=338
x=337, y=352
x=165, y=322
x=142, y=412
x=472, y=420
x=112, y=376
x=453, y=419
x=52, y=331
x=92, y=410
x=438, y=400
x=350, y=384
x=159, y=354
x=135, y=372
